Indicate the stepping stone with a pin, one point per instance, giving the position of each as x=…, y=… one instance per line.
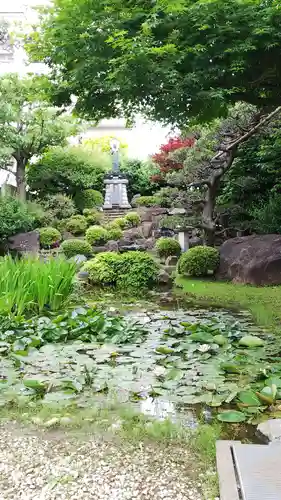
x=249, y=471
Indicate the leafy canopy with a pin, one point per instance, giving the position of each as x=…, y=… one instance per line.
x=170, y=60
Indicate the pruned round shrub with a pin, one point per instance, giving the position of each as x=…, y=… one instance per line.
x=198, y=261
x=49, y=236
x=115, y=233
x=90, y=198
x=76, y=247
x=96, y=235
x=121, y=222
x=129, y=271
x=167, y=246
x=77, y=224
x=147, y=201
x=133, y=219
x=138, y=271
x=92, y=215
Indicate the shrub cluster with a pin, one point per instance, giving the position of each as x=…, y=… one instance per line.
x=77, y=224
x=133, y=219
x=76, y=247
x=92, y=215
x=96, y=235
x=15, y=217
x=148, y=201
x=58, y=207
x=49, y=236
x=128, y=271
x=199, y=261
x=167, y=246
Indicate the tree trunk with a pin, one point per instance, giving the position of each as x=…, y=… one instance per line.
x=20, y=177
x=208, y=221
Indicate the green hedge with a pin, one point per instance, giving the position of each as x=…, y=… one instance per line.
x=77, y=225
x=76, y=247
x=167, y=246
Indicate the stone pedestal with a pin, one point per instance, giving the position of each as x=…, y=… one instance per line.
x=183, y=239
x=116, y=193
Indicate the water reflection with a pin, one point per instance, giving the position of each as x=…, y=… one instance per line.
x=161, y=409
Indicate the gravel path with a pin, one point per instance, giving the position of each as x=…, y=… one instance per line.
x=57, y=466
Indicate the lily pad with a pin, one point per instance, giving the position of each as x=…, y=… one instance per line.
x=251, y=341
x=220, y=340
x=249, y=398
x=231, y=416
x=162, y=349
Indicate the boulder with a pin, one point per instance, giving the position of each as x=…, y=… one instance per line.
x=83, y=276
x=112, y=246
x=270, y=430
x=124, y=242
x=132, y=234
x=150, y=243
x=152, y=214
x=164, y=279
x=25, y=242
x=195, y=241
x=147, y=229
x=131, y=248
x=100, y=249
x=79, y=259
x=255, y=260
x=172, y=260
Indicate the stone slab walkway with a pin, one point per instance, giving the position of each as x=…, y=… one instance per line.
x=61, y=466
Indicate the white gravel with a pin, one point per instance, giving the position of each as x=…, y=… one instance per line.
x=61, y=466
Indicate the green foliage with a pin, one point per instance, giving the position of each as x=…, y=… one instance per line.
x=28, y=124
x=268, y=216
x=31, y=285
x=96, y=235
x=114, y=234
x=121, y=222
x=15, y=217
x=133, y=219
x=58, y=206
x=174, y=222
x=147, y=201
x=199, y=261
x=68, y=170
x=92, y=215
x=139, y=176
x=48, y=236
x=128, y=271
x=77, y=224
x=167, y=246
x=90, y=198
x=76, y=247
x=173, y=46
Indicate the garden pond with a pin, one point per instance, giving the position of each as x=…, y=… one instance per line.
x=167, y=360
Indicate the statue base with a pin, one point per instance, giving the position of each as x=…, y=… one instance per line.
x=116, y=192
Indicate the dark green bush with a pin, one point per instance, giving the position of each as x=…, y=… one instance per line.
x=77, y=224
x=129, y=271
x=92, y=215
x=49, y=236
x=133, y=219
x=199, y=261
x=96, y=235
x=90, y=198
x=147, y=201
x=167, y=246
x=58, y=206
x=268, y=216
x=15, y=217
x=76, y=247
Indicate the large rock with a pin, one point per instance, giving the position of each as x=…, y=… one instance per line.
x=152, y=214
x=177, y=211
x=112, y=246
x=25, y=242
x=147, y=229
x=252, y=259
x=132, y=234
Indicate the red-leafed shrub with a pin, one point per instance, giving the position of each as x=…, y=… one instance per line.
x=164, y=158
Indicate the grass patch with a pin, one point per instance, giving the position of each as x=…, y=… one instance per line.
x=263, y=302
